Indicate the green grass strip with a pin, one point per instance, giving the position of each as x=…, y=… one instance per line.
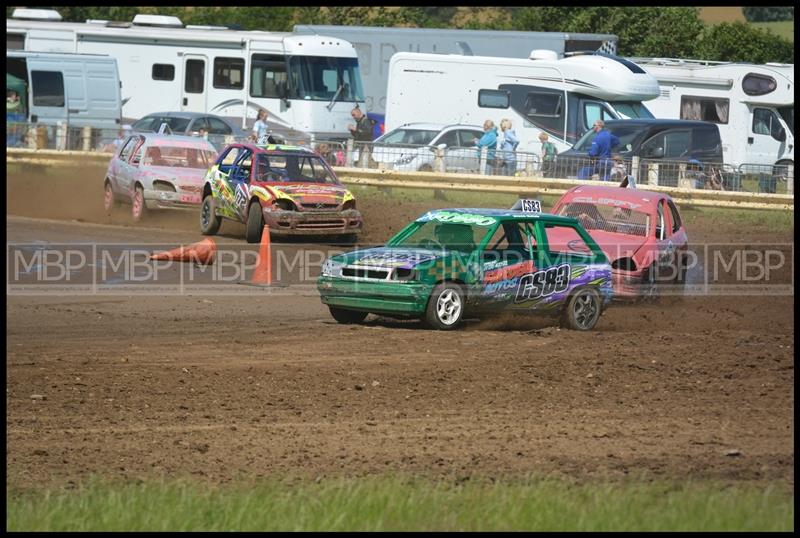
x=403, y=504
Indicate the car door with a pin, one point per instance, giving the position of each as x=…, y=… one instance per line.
x=466, y=141
x=239, y=178
x=452, y=159
x=508, y=256
x=127, y=170
x=763, y=142
x=665, y=256
x=570, y=259
x=679, y=237
x=117, y=167
x=668, y=150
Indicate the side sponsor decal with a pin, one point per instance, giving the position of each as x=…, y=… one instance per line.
x=543, y=283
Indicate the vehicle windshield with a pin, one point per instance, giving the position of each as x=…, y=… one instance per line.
x=607, y=217
x=787, y=113
x=419, y=137
x=283, y=167
x=631, y=109
x=153, y=123
x=626, y=134
x=433, y=234
x=318, y=78
x=179, y=157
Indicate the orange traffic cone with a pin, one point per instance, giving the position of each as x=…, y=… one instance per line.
x=263, y=271
x=202, y=253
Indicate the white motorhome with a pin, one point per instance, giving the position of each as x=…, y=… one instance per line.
x=376, y=45
x=307, y=83
x=753, y=105
x=561, y=97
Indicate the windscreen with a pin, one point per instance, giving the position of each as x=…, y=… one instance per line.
x=420, y=137
x=275, y=167
x=325, y=78
x=607, y=218
x=444, y=235
x=631, y=109
x=626, y=134
x=153, y=123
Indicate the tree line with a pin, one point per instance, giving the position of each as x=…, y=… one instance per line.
x=675, y=32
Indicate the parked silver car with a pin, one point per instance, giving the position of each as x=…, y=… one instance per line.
x=153, y=171
x=191, y=123
x=413, y=147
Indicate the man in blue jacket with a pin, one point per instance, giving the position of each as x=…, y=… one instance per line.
x=602, y=144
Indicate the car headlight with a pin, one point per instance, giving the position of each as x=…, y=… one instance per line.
x=406, y=159
x=332, y=268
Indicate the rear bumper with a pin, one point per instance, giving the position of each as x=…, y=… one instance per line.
x=379, y=297
x=314, y=223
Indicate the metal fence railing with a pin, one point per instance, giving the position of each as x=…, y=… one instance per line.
x=770, y=179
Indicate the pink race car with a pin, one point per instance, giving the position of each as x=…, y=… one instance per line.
x=154, y=171
x=641, y=233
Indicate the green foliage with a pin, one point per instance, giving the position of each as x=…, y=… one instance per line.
x=404, y=504
x=768, y=14
x=740, y=42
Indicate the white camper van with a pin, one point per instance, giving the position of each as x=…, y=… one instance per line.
x=376, y=45
x=307, y=83
x=753, y=105
x=75, y=89
x=562, y=97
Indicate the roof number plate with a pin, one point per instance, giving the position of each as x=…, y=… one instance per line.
x=530, y=206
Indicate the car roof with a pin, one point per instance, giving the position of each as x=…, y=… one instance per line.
x=272, y=148
x=436, y=126
x=503, y=214
x=182, y=114
x=645, y=122
x=624, y=194
x=155, y=139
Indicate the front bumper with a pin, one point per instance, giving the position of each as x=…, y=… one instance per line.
x=154, y=199
x=313, y=223
x=627, y=284
x=379, y=297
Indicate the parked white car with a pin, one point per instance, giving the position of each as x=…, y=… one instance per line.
x=413, y=146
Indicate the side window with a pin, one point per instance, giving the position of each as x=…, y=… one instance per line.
x=137, y=155
x=230, y=157
x=466, y=138
x=705, y=109
x=660, y=232
x=676, y=218
x=651, y=145
x=676, y=144
x=509, y=244
x=543, y=104
x=306, y=169
x=125, y=152
x=163, y=72
x=564, y=241
x=267, y=73
x=229, y=73
x=450, y=138
x=48, y=88
x=199, y=123
x=217, y=126
x=493, y=98
x=593, y=111
x=195, y=76
x=765, y=122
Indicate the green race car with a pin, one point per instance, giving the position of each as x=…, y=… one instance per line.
x=455, y=262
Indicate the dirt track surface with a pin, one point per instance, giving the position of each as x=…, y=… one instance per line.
x=224, y=388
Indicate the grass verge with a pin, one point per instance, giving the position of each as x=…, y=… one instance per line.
x=403, y=504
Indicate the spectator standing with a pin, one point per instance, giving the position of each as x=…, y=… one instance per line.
x=362, y=135
x=508, y=148
x=602, y=144
x=260, y=127
x=548, y=155
x=489, y=141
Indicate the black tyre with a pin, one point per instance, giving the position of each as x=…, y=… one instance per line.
x=209, y=221
x=138, y=207
x=255, y=223
x=445, y=307
x=109, y=200
x=426, y=168
x=649, y=285
x=583, y=310
x=343, y=315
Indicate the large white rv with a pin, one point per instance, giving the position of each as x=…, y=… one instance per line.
x=753, y=105
x=561, y=97
x=307, y=83
x=376, y=45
